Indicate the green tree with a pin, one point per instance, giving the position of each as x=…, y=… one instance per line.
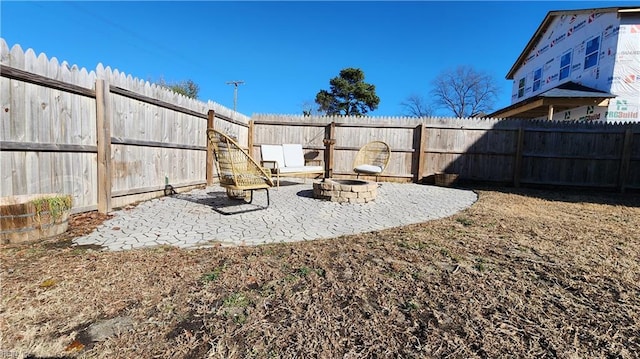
x=349, y=95
x=187, y=88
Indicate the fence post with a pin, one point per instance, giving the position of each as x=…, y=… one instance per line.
x=625, y=160
x=329, y=144
x=250, y=139
x=517, y=161
x=103, y=137
x=211, y=114
x=419, y=144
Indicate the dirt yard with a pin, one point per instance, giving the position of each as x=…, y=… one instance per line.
x=520, y=274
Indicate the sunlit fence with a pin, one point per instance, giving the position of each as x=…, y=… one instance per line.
x=110, y=140
x=518, y=152
x=101, y=136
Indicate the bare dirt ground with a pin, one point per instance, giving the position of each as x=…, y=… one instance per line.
x=520, y=274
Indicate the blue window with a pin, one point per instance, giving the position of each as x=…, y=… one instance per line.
x=565, y=66
x=537, y=76
x=521, y=88
x=591, y=53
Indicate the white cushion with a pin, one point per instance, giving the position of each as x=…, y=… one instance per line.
x=368, y=169
x=293, y=155
x=303, y=169
x=272, y=153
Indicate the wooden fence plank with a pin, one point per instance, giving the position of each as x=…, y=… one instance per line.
x=517, y=167
x=419, y=146
x=5, y=109
x=625, y=160
x=103, y=126
x=18, y=99
x=210, y=159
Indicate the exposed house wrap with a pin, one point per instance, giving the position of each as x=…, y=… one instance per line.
x=596, y=48
x=625, y=81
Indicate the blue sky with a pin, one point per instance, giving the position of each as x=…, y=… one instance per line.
x=284, y=51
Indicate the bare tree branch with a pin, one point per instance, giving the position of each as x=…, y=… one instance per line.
x=416, y=106
x=464, y=91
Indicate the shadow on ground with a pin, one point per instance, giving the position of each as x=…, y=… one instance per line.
x=307, y=193
x=221, y=203
x=563, y=194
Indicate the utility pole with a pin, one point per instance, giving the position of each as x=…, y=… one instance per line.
x=235, y=92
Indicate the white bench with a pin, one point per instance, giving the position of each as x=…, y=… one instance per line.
x=288, y=160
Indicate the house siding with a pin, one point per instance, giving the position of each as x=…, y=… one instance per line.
x=604, y=53
x=570, y=34
x=625, y=79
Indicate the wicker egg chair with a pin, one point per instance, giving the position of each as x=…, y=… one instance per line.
x=372, y=159
x=237, y=170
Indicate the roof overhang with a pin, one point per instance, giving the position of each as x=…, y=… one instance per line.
x=561, y=98
x=545, y=106
x=533, y=42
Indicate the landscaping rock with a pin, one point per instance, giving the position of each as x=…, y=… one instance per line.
x=105, y=329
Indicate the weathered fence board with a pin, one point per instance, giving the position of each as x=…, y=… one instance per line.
x=51, y=123
x=45, y=118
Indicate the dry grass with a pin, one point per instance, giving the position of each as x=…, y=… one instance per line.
x=522, y=273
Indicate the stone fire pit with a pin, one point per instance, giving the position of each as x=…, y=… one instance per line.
x=345, y=190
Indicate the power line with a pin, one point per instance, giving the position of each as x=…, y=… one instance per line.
x=136, y=39
x=235, y=92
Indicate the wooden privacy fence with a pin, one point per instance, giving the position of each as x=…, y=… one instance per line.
x=109, y=140
x=518, y=152
x=103, y=137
